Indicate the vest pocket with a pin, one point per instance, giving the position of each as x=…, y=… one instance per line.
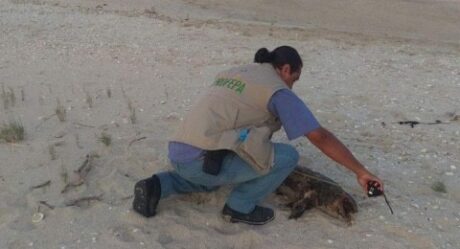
x=257, y=149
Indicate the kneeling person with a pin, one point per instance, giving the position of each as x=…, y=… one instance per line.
x=225, y=139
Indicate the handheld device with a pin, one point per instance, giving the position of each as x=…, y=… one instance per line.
x=374, y=191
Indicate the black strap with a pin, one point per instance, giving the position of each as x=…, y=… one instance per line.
x=213, y=161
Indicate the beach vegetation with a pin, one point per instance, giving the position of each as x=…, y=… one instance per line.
x=60, y=111
x=105, y=138
x=8, y=97
x=132, y=112
x=12, y=132
x=109, y=92
x=439, y=187
x=89, y=100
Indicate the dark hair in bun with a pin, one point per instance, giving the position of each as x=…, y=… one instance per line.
x=279, y=57
x=262, y=56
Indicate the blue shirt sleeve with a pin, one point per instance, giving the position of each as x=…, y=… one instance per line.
x=296, y=118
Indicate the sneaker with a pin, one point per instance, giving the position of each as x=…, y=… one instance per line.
x=259, y=216
x=147, y=193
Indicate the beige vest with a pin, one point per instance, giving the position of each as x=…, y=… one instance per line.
x=235, y=102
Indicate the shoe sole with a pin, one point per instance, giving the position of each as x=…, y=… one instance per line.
x=141, y=201
x=229, y=218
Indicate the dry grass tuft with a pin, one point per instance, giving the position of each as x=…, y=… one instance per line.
x=52, y=152
x=8, y=97
x=109, y=93
x=132, y=112
x=105, y=138
x=60, y=111
x=23, y=95
x=89, y=100
x=12, y=132
x=439, y=187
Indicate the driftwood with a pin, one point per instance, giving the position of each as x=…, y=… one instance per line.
x=82, y=201
x=80, y=174
x=47, y=183
x=46, y=204
x=136, y=140
x=305, y=189
x=413, y=123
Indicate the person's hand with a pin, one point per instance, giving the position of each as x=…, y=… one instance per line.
x=365, y=177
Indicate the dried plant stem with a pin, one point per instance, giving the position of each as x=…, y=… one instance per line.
x=52, y=152
x=89, y=100
x=41, y=185
x=8, y=97
x=132, y=112
x=60, y=111
x=80, y=173
x=78, y=201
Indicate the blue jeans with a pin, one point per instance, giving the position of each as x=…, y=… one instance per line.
x=251, y=187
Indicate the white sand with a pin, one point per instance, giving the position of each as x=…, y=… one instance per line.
x=380, y=63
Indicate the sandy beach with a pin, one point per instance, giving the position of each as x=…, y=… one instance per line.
x=99, y=86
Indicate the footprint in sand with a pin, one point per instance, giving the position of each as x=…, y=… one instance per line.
x=20, y=244
x=123, y=234
x=22, y=224
x=247, y=240
x=227, y=229
x=6, y=215
x=174, y=233
x=165, y=238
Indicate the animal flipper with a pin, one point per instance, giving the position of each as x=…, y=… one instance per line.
x=298, y=208
x=308, y=202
